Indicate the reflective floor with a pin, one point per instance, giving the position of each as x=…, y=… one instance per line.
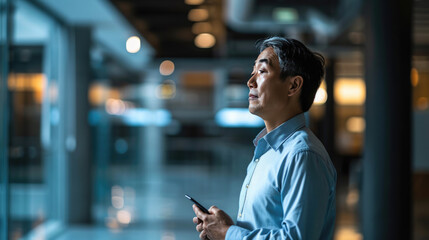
x=155, y=208
x=152, y=205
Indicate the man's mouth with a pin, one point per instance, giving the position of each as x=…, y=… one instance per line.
x=252, y=96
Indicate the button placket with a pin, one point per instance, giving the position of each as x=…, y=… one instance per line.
x=247, y=187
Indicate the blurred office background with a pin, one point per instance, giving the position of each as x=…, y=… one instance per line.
x=112, y=110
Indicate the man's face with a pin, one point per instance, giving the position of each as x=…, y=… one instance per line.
x=268, y=93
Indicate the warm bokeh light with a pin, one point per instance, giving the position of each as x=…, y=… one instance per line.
x=166, y=68
x=194, y=2
x=114, y=93
x=123, y=216
x=198, y=15
x=414, y=77
x=201, y=27
x=321, y=95
x=205, y=40
x=133, y=44
x=33, y=82
x=355, y=124
x=347, y=233
x=97, y=94
x=166, y=90
x=349, y=91
x=422, y=103
x=26, y=82
x=115, y=106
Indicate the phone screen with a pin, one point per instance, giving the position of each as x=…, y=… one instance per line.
x=198, y=204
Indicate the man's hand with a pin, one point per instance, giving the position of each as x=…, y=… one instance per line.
x=212, y=226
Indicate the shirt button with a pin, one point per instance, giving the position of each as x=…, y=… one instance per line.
x=247, y=186
x=239, y=215
x=257, y=160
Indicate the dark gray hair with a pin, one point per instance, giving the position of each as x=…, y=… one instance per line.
x=297, y=60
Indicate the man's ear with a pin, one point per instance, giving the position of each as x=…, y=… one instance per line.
x=295, y=85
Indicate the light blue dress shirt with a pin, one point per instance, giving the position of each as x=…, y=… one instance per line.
x=289, y=190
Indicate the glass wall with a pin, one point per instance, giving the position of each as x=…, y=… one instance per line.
x=35, y=155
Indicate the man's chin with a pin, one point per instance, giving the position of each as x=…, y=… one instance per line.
x=253, y=110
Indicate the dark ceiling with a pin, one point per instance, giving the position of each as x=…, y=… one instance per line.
x=165, y=25
x=238, y=24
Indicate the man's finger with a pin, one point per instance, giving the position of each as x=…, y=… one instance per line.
x=203, y=235
x=213, y=209
x=196, y=220
x=200, y=214
x=199, y=227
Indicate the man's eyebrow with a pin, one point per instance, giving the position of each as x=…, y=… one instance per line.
x=263, y=60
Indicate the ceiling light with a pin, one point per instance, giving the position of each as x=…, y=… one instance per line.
x=286, y=15
x=194, y=2
x=133, y=44
x=205, y=40
x=198, y=14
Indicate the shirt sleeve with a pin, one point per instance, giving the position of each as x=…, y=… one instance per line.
x=305, y=194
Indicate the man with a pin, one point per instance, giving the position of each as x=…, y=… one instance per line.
x=289, y=190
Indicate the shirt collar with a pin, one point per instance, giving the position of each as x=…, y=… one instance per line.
x=276, y=137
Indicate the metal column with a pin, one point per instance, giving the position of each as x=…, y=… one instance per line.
x=387, y=153
x=77, y=137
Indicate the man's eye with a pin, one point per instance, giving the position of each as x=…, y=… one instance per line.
x=261, y=71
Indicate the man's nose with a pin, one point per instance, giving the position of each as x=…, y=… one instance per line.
x=251, y=83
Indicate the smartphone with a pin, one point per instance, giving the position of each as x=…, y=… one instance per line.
x=198, y=204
